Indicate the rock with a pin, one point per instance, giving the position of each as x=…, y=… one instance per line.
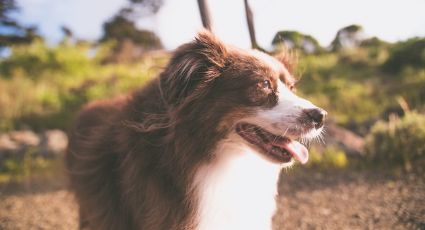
x=17, y=144
x=26, y=137
x=6, y=144
x=350, y=142
x=53, y=142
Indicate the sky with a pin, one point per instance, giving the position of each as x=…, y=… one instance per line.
x=178, y=20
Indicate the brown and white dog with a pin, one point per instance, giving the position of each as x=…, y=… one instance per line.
x=200, y=147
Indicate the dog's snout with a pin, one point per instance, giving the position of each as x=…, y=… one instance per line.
x=317, y=115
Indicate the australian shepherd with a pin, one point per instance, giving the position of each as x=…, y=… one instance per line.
x=199, y=147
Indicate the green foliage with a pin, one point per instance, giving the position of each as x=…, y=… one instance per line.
x=149, y=5
x=120, y=29
x=330, y=157
x=43, y=87
x=342, y=84
x=25, y=166
x=352, y=87
x=29, y=166
x=296, y=40
x=398, y=142
x=11, y=32
x=37, y=58
x=410, y=53
x=348, y=37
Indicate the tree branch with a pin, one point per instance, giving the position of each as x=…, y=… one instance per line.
x=250, y=22
x=205, y=14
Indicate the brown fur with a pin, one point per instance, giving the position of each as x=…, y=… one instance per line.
x=132, y=160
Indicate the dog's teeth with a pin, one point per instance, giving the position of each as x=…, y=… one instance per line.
x=275, y=150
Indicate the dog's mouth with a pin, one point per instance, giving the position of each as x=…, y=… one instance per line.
x=277, y=148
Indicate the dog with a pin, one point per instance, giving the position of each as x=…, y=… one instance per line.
x=199, y=147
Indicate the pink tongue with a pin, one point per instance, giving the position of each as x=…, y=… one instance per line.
x=297, y=150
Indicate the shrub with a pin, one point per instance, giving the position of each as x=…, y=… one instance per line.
x=35, y=59
x=410, y=53
x=330, y=157
x=398, y=142
x=42, y=87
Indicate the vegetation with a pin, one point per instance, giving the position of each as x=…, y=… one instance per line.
x=330, y=157
x=16, y=169
x=353, y=87
x=406, y=54
x=120, y=29
x=42, y=87
x=12, y=32
x=398, y=142
x=348, y=37
x=296, y=40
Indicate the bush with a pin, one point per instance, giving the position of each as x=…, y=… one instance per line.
x=398, y=142
x=330, y=157
x=410, y=53
x=35, y=59
x=42, y=87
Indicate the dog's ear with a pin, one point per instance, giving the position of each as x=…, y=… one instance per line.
x=192, y=67
x=288, y=58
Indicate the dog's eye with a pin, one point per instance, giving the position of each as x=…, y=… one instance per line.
x=265, y=84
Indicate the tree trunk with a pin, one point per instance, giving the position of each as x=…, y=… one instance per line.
x=250, y=22
x=205, y=14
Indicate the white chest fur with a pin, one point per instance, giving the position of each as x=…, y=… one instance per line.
x=238, y=190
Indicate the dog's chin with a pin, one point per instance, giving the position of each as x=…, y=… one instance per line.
x=276, y=148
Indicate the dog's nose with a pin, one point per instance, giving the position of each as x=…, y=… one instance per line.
x=317, y=115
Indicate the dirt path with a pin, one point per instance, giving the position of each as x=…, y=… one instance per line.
x=351, y=200
x=309, y=200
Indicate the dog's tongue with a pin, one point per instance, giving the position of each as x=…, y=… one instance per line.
x=296, y=149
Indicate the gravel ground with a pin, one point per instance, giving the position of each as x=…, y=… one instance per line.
x=37, y=205
x=351, y=200
x=308, y=200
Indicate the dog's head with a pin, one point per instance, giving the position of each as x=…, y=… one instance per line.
x=218, y=89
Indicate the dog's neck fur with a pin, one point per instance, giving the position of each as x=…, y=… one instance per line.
x=238, y=189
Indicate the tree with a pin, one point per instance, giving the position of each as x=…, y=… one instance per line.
x=206, y=21
x=296, y=40
x=131, y=42
x=205, y=14
x=11, y=32
x=348, y=37
x=6, y=7
x=148, y=6
x=120, y=28
x=410, y=53
x=250, y=22
x=67, y=32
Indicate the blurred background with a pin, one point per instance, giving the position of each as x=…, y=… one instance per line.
x=363, y=61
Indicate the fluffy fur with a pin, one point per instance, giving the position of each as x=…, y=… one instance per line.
x=167, y=156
